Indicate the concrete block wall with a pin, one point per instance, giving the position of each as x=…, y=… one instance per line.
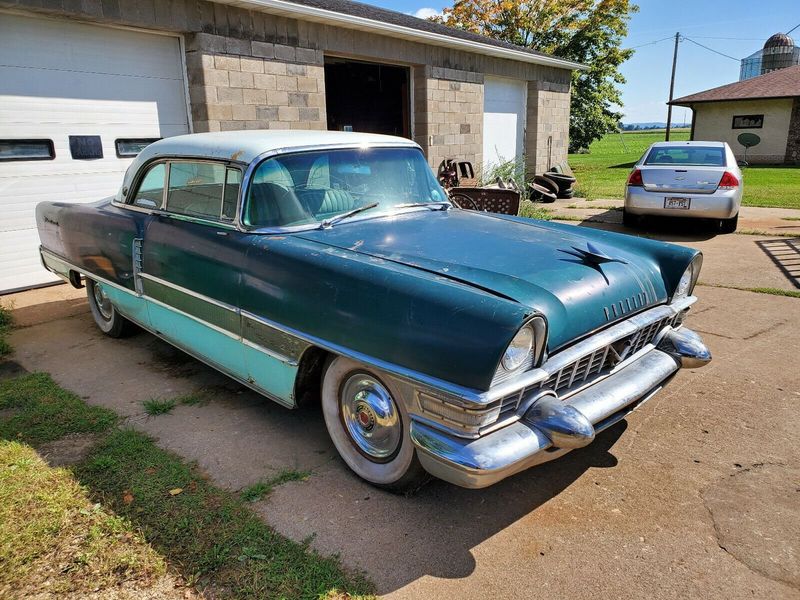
x=242, y=84
x=547, y=126
x=793, y=141
x=448, y=111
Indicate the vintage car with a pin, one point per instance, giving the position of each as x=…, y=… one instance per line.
x=441, y=341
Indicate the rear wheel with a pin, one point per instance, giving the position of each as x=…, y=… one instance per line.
x=105, y=315
x=369, y=428
x=729, y=225
x=630, y=220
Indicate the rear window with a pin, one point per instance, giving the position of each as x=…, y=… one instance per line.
x=706, y=156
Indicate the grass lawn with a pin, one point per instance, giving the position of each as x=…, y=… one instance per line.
x=128, y=512
x=603, y=171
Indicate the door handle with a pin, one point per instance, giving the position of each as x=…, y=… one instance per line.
x=222, y=233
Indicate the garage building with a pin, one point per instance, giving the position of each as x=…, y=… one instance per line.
x=85, y=85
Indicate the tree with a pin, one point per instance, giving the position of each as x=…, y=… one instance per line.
x=584, y=31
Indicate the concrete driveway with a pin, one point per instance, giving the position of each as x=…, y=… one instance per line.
x=697, y=494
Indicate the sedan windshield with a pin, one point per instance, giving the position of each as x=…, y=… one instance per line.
x=701, y=156
x=312, y=188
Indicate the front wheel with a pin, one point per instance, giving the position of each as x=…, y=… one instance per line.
x=105, y=315
x=369, y=428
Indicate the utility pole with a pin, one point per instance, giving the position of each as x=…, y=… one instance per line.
x=672, y=84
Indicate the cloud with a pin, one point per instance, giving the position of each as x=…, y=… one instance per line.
x=427, y=13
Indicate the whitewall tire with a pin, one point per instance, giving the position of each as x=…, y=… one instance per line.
x=105, y=314
x=369, y=428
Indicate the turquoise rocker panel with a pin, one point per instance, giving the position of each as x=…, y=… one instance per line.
x=129, y=304
x=207, y=343
x=273, y=376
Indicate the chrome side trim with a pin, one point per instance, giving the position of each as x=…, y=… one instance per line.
x=189, y=292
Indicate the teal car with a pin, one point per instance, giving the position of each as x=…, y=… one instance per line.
x=331, y=267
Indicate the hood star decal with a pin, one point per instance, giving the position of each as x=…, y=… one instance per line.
x=592, y=257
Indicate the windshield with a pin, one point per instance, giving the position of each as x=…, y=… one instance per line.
x=309, y=188
x=705, y=156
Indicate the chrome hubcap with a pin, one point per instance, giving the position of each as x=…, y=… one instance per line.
x=103, y=302
x=370, y=417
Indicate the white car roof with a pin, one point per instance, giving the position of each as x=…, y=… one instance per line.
x=244, y=146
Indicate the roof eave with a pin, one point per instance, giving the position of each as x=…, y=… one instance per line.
x=311, y=13
x=689, y=102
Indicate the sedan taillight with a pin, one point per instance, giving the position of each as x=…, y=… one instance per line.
x=728, y=181
x=635, y=178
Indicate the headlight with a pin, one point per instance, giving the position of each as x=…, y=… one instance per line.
x=519, y=349
x=689, y=278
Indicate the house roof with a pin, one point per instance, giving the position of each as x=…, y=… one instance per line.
x=783, y=83
x=355, y=15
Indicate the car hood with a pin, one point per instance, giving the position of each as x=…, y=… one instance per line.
x=579, y=279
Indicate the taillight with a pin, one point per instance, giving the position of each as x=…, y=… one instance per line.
x=728, y=181
x=635, y=178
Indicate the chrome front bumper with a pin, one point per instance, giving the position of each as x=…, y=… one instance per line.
x=551, y=427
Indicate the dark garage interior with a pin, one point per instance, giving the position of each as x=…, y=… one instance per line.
x=367, y=97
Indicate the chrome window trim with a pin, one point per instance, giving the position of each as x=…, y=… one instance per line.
x=139, y=175
x=258, y=160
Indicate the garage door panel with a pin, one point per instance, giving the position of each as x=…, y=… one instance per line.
x=32, y=42
x=503, y=120
x=61, y=78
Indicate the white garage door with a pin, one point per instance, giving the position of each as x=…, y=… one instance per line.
x=61, y=80
x=503, y=120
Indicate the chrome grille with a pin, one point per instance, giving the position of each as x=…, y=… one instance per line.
x=592, y=364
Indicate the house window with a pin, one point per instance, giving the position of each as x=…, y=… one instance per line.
x=26, y=150
x=748, y=122
x=130, y=147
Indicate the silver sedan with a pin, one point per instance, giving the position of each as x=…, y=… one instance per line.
x=685, y=179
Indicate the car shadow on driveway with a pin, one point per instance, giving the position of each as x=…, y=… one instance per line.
x=437, y=532
x=664, y=229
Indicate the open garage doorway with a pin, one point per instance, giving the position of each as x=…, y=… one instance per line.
x=367, y=97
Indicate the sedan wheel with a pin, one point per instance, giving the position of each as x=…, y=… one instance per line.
x=369, y=428
x=105, y=315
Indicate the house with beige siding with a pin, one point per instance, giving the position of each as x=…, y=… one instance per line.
x=767, y=106
x=85, y=84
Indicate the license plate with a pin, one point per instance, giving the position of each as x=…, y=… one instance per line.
x=681, y=203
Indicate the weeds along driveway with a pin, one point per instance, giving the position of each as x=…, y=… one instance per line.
x=695, y=495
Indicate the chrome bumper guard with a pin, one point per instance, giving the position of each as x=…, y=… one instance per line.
x=551, y=427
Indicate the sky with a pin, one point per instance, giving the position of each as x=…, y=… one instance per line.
x=745, y=26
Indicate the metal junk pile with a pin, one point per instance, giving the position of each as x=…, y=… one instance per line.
x=501, y=196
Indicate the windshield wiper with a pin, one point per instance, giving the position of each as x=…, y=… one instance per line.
x=431, y=205
x=335, y=219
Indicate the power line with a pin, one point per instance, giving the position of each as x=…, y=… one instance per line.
x=650, y=43
x=792, y=29
x=711, y=49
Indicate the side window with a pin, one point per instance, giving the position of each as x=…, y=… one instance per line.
x=203, y=189
x=151, y=190
x=233, y=180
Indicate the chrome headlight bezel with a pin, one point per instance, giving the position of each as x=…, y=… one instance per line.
x=537, y=328
x=689, y=278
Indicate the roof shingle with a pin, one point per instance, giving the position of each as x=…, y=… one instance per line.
x=784, y=83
